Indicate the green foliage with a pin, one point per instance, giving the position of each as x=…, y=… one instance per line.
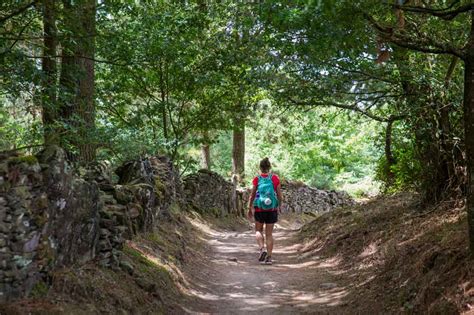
x=17, y=128
x=406, y=172
x=327, y=149
x=306, y=77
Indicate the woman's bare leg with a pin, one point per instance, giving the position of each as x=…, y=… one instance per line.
x=259, y=234
x=269, y=236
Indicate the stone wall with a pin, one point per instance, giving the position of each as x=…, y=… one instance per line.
x=299, y=197
x=50, y=216
x=22, y=205
x=72, y=216
x=207, y=191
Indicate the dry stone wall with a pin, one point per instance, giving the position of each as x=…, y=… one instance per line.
x=50, y=216
x=22, y=204
x=299, y=198
x=207, y=191
x=72, y=216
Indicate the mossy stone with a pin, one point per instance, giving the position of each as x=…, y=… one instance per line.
x=40, y=290
x=28, y=159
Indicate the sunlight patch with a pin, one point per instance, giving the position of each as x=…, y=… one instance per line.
x=369, y=250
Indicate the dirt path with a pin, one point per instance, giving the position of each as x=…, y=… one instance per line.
x=228, y=278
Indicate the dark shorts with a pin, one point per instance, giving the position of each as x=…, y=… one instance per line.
x=269, y=217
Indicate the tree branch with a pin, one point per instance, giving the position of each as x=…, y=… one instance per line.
x=348, y=107
x=426, y=45
x=17, y=12
x=16, y=41
x=445, y=13
x=110, y=62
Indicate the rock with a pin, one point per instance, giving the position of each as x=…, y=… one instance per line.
x=107, y=199
x=47, y=214
x=5, y=227
x=123, y=194
x=106, y=254
x=98, y=171
x=104, y=233
x=146, y=284
x=104, y=245
x=32, y=244
x=149, y=187
x=8, y=218
x=105, y=214
x=21, y=261
x=42, y=201
x=128, y=267
x=134, y=210
x=104, y=262
x=120, y=229
x=117, y=240
x=107, y=223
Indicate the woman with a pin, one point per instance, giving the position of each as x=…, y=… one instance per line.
x=264, y=205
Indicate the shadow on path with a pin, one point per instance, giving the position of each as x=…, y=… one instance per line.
x=229, y=278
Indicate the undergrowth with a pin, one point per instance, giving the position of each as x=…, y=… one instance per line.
x=401, y=256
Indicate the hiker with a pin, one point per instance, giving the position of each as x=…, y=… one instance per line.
x=264, y=205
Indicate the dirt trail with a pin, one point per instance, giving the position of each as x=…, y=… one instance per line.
x=228, y=278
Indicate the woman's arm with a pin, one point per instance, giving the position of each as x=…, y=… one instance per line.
x=279, y=197
x=251, y=199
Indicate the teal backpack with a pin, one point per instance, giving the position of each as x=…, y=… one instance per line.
x=266, y=196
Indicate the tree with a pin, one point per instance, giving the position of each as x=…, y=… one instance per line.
x=206, y=152
x=77, y=103
x=49, y=68
x=408, y=37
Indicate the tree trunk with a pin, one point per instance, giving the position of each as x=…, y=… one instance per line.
x=238, y=159
x=67, y=80
x=469, y=131
x=49, y=67
x=205, y=157
x=163, y=102
x=389, y=153
x=85, y=97
x=238, y=150
x=77, y=77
